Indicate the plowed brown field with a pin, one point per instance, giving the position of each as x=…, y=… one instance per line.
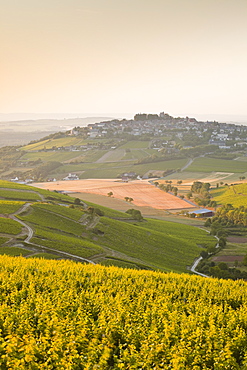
x=142, y=192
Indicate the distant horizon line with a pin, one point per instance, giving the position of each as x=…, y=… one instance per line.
x=32, y=116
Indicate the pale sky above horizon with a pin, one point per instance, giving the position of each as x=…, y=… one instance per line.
x=123, y=56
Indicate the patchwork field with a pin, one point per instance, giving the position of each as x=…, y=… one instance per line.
x=142, y=192
x=188, y=177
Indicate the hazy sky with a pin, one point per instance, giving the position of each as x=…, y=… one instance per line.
x=99, y=56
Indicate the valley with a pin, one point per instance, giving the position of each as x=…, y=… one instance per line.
x=148, y=164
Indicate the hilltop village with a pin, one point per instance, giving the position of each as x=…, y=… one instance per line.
x=116, y=147
x=212, y=132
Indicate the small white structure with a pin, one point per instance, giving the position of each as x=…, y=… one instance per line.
x=71, y=177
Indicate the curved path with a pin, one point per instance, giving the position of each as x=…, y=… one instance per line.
x=30, y=235
x=196, y=262
x=194, y=266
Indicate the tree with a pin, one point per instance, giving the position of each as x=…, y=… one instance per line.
x=140, y=117
x=99, y=212
x=208, y=223
x=77, y=201
x=131, y=200
x=245, y=260
x=110, y=194
x=136, y=215
x=91, y=210
x=126, y=199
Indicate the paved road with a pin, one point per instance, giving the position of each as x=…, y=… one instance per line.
x=196, y=262
x=187, y=164
x=194, y=266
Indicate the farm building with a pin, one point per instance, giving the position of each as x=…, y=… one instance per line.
x=71, y=177
x=203, y=212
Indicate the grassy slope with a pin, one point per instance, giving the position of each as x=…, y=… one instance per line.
x=21, y=194
x=153, y=243
x=159, y=244
x=108, y=212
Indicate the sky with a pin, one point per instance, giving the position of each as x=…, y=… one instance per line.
x=98, y=56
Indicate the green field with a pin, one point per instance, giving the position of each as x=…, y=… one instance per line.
x=166, y=248
x=41, y=217
x=2, y=240
x=8, y=226
x=132, y=144
x=8, y=207
x=47, y=256
x=241, y=159
x=234, y=194
x=135, y=154
x=110, y=170
x=73, y=214
x=20, y=195
x=51, y=156
x=50, y=143
x=153, y=243
x=108, y=212
x=65, y=243
x=35, y=194
x=14, y=251
x=221, y=165
x=115, y=155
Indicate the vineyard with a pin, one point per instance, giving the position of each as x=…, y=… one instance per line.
x=19, y=195
x=66, y=227
x=154, y=244
x=9, y=226
x=63, y=315
x=7, y=207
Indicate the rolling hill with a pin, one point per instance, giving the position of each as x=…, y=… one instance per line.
x=54, y=223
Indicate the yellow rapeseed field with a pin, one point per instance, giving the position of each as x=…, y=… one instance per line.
x=66, y=315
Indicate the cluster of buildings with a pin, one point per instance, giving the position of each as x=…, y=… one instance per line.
x=220, y=134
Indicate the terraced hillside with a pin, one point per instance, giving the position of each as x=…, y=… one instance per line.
x=66, y=227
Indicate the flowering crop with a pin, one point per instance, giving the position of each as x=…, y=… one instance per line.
x=65, y=315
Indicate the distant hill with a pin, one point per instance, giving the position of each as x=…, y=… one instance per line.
x=22, y=131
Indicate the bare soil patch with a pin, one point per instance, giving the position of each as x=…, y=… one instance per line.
x=142, y=192
x=228, y=258
x=236, y=239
